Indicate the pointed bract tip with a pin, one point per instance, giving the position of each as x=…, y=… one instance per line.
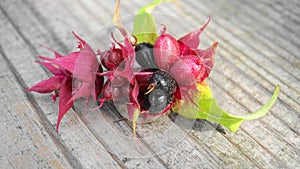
x=57, y=124
x=134, y=129
x=163, y=29
x=45, y=58
x=56, y=128
x=44, y=46
x=81, y=41
x=205, y=25
x=99, y=52
x=56, y=53
x=215, y=45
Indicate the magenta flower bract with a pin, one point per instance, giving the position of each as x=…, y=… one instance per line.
x=82, y=66
x=189, y=44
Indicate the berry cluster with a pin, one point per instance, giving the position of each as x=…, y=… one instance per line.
x=168, y=69
x=171, y=75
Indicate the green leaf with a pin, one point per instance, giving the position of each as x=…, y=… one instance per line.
x=144, y=27
x=209, y=110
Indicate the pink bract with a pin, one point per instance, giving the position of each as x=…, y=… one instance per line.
x=82, y=66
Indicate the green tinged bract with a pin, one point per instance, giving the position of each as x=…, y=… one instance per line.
x=209, y=110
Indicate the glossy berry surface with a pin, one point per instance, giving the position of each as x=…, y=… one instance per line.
x=166, y=51
x=111, y=59
x=144, y=55
x=162, y=87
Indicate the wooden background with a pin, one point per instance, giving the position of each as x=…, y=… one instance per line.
x=258, y=48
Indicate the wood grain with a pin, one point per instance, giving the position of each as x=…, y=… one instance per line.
x=258, y=48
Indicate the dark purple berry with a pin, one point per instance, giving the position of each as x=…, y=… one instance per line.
x=144, y=55
x=161, y=92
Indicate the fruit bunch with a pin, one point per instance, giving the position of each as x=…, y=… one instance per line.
x=166, y=67
x=171, y=75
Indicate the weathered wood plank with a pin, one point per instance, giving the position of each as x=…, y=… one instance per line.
x=24, y=141
x=283, y=18
x=258, y=130
x=277, y=33
x=250, y=141
x=284, y=36
x=20, y=57
x=246, y=21
x=284, y=127
x=255, y=73
x=287, y=9
x=264, y=86
x=253, y=60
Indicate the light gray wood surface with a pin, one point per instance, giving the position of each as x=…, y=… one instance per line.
x=258, y=48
